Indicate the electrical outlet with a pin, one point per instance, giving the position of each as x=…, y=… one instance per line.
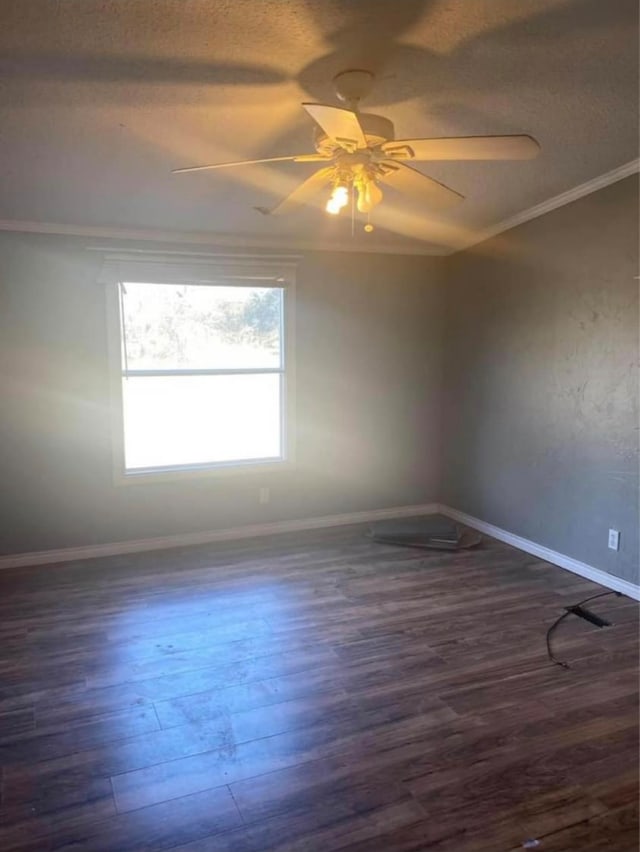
x=263, y=495
x=614, y=540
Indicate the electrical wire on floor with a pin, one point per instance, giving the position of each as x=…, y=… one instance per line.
x=568, y=611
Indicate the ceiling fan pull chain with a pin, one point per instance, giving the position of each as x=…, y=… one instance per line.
x=353, y=209
x=368, y=227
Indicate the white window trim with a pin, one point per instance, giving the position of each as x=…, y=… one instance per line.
x=237, y=271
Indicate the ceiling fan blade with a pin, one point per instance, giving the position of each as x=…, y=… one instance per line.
x=299, y=158
x=304, y=192
x=339, y=124
x=412, y=182
x=312, y=158
x=464, y=148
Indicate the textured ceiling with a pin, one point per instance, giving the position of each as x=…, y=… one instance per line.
x=100, y=99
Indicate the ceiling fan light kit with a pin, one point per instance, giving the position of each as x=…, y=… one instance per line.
x=359, y=152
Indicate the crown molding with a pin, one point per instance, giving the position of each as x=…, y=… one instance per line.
x=214, y=241
x=553, y=203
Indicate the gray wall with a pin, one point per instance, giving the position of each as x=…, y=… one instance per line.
x=535, y=429
x=541, y=379
x=368, y=378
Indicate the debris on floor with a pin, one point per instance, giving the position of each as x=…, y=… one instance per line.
x=435, y=531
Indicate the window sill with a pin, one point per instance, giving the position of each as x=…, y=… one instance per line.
x=151, y=476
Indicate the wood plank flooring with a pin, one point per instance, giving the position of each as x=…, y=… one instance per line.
x=314, y=691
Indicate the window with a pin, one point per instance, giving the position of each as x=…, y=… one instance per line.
x=201, y=370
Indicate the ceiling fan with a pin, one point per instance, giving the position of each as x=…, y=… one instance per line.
x=360, y=152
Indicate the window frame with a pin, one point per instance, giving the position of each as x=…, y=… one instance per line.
x=204, y=270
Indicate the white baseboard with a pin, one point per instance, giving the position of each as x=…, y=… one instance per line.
x=609, y=581
x=93, y=551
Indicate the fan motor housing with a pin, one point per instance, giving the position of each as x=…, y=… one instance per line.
x=376, y=128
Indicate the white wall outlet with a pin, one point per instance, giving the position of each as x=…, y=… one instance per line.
x=263, y=495
x=614, y=540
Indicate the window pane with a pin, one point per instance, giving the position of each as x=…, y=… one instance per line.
x=187, y=326
x=181, y=420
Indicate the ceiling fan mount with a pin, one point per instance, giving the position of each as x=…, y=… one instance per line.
x=353, y=86
x=359, y=151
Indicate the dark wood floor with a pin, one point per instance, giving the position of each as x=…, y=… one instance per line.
x=314, y=692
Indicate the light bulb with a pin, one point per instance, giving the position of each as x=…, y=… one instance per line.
x=341, y=195
x=374, y=194
x=363, y=204
x=339, y=199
